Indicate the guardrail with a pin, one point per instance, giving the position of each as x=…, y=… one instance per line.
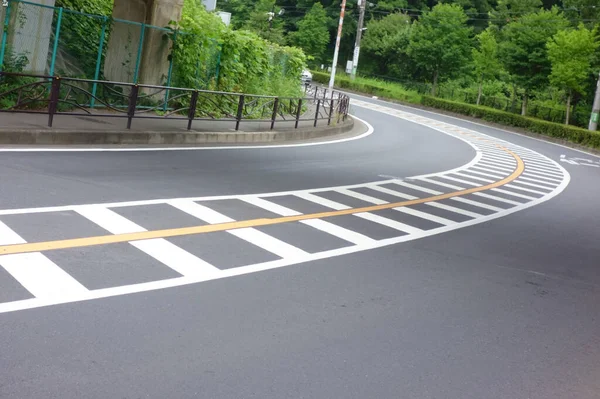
x=53, y=95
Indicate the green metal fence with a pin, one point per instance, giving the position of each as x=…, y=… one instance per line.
x=46, y=40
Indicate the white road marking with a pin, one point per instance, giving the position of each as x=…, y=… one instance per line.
x=499, y=199
x=389, y=223
x=492, y=173
x=474, y=177
x=468, y=183
x=171, y=255
x=527, y=190
x=426, y=216
x=455, y=210
x=542, y=173
x=435, y=182
x=362, y=197
x=38, y=274
x=494, y=166
x=539, y=177
x=477, y=204
x=418, y=188
x=26, y=304
x=392, y=192
x=323, y=201
x=499, y=161
x=322, y=225
x=249, y=234
x=553, y=185
x=488, y=174
x=499, y=190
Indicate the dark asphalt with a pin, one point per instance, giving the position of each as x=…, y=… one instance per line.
x=504, y=309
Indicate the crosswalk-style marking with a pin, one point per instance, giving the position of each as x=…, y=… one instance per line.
x=542, y=178
x=540, y=173
x=160, y=249
x=477, y=204
x=249, y=234
x=496, y=198
x=468, y=183
x=450, y=186
x=495, y=167
x=322, y=225
x=527, y=190
x=362, y=197
x=323, y=201
x=519, y=181
x=538, y=181
x=488, y=172
x=426, y=216
x=527, y=197
x=389, y=223
x=392, y=192
x=473, y=177
x=418, y=188
x=449, y=208
x=34, y=271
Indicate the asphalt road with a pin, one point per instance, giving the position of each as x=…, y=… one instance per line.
x=499, y=302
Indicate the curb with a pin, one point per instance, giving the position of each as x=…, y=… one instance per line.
x=115, y=137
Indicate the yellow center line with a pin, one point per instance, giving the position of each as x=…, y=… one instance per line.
x=147, y=235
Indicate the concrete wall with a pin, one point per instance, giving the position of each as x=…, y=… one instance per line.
x=125, y=39
x=30, y=34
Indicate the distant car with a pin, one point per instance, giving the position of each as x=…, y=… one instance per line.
x=306, y=77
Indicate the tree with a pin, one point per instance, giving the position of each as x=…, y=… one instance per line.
x=385, y=44
x=485, y=59
x=312, y=35
x=571, y=53
x=440, y=42
x=523, y=49
x=266, y=25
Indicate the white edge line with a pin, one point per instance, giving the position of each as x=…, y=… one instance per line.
x=154, y=149
x=180, y=281
x=474, y=123
x=64, y=208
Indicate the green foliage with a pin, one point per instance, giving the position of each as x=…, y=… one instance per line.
x=312, y=35
x=374, y=87
x=385, y=45
x=571, y=53
x=485, y=58
x=523, y=48
x=95, y=7
x=248, y=63
x=440, y=42
x=263, y=21
x=568, y=133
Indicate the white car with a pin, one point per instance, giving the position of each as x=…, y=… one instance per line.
x=306, y=76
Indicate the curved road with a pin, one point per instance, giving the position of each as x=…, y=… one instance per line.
x=430, y=258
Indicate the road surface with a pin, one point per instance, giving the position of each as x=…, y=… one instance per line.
x=429, y=257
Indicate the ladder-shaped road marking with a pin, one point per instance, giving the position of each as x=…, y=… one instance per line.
x=38, y=274
x=171, y=255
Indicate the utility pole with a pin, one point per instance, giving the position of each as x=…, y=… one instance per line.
x=337, y=45
x=361, y=20
x=595, y=109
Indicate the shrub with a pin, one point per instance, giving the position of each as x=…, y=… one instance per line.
x=569, y=133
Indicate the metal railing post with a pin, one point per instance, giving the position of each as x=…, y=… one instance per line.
x=98, y=62
x=54, y=94
x=138, y=61
x=132, y=104
x=317, y=113
x=56, y=37
x=240, y=112
x=275, y=110
x=331, y=110
x=298, y=111
x=192, y=110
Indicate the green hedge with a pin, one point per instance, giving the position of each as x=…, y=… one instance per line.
x=570, y=133
x=396, y=92
x=373, y=87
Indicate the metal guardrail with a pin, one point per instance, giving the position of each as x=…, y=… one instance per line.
x=53, y=95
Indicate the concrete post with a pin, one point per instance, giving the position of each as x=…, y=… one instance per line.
x=30, y=33
x=124, y=40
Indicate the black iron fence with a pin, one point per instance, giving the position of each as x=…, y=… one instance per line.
x=53, y=95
